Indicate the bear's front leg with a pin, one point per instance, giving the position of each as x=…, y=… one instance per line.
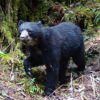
x=51, y=79
x=27, y=66
x=52, y=64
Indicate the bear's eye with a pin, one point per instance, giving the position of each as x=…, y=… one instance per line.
x=29, y=32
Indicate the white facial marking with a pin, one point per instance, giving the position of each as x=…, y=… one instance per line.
x=24, y=34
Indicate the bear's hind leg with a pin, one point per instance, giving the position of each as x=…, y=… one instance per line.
x=79, y=60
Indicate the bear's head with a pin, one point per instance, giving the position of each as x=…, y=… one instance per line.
x=29, y=32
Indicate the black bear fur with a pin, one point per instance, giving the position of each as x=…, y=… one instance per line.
x=54, y=46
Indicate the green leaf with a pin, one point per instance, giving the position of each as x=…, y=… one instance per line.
x=4, y=55
x=31, y=81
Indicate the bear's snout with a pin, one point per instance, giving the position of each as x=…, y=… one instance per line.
x=24, y=35
x=23, y=38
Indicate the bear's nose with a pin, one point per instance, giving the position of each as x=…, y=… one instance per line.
x=22, y=38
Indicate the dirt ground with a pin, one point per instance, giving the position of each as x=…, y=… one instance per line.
x=85, y=87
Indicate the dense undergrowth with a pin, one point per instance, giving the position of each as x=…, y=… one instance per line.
x=84, y=13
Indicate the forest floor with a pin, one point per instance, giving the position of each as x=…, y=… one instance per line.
x=85, y=87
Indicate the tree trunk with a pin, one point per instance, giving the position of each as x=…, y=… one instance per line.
x=7, y=7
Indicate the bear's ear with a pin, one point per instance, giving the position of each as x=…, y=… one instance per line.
x=20, y=22
x=39, y=23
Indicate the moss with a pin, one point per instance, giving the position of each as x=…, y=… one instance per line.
x=84, y=16
x=6, y=31
x=42, y=12
x=21, y=10
x=14, y=9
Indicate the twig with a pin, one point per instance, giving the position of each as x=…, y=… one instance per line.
x=93, y=85
x=12, y=68
x=71, y=84
x=57, y=89
x=6, y=94
x=8, y=46
x=23, y=94
x=11, y=98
